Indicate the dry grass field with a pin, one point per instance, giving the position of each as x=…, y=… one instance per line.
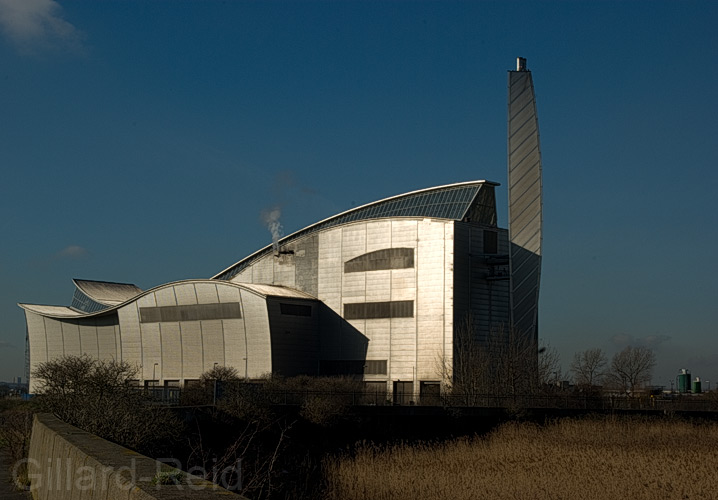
x=590, y=459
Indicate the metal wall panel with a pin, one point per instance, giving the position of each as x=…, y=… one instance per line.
x=379, y=346
x=259, y=348
x=234, y=334
x=306, y=253
x=192, y=351
x=446, y=356
x=378, y=286
x=213, y=342
x=37, y=343
x=130, y=334
x=148, y=300
x=186, y=294
x=88, y=339
x=295, y=343
x=71, y=337
x=354, y=241
x=243, y=277
x=285, y=269
x=106, y=342
x=151, y=351
x=234, y=344
x=263, y=270
x=165, y=296
x=53, y=332
x=378, y=235
x=228, y=294
x=430, y=306
x=525, y=202
x=206, y=293
x=171, y=366
x=330, y=268
x=402, y=363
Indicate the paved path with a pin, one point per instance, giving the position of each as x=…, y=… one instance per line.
x=7, y=488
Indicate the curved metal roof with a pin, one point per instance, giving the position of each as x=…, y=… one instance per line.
x=451, y=201
x=106, y=292
x=64, y=312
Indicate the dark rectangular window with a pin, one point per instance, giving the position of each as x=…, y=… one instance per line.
x=295, y=309
x=375, y=367
x=194, y=312
x=341, y=367
x=377, y=310
x=491, y=242
x=353, y=367
x=388, y=258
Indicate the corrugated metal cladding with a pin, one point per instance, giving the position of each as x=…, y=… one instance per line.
x=481, y=286
x=525, y=201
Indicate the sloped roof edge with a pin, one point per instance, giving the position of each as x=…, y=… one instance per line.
x=262, y=290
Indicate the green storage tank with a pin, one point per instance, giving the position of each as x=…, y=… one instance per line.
x=696, y=386
x=684, y=381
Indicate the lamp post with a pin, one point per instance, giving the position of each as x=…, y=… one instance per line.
x=214, y=395
x=708, y=382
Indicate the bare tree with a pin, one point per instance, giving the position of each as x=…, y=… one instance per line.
x=504, y=363
x=549, y=365
x=588, y=367
x=632, y=368
x=99, y=397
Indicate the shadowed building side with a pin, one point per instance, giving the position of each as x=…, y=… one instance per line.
x=525, y=200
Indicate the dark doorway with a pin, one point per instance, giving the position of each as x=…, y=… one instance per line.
x=403, y=393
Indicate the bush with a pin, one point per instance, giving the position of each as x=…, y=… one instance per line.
x=99, y=397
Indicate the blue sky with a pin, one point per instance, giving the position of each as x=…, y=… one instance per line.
x=141, y=141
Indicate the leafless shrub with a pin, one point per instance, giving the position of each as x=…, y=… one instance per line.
x=15, y=431
x=98, y=396
x=507, y=363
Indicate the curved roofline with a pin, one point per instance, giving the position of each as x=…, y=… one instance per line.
x=105, y=293
x=244, y=286
x=340, y=214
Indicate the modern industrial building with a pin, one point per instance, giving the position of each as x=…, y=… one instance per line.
x=378, y=291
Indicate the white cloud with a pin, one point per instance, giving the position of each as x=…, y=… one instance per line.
x=73, y=252
x=34, y=24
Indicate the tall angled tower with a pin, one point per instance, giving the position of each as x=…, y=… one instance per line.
x=525, y=200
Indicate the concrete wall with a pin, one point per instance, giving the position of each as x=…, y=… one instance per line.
x=66, y=463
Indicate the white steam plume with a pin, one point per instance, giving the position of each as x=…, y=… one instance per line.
x=270, y=218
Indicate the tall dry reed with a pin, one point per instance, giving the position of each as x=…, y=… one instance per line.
x=594, y=459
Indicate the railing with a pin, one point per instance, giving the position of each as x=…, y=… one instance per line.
x=559, y=401
x=166, y=395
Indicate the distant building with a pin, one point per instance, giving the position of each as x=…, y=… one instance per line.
x=377, y=291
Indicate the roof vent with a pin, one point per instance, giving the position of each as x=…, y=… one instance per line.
x=520, y=64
